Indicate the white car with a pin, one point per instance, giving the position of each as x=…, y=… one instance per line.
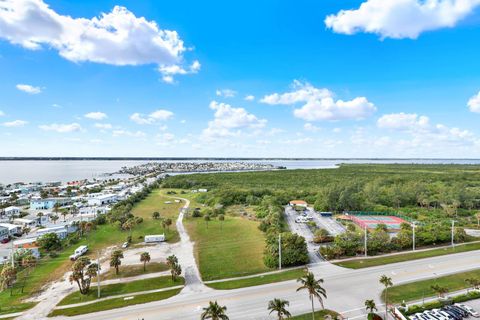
x=469, y=309
x=125, y=245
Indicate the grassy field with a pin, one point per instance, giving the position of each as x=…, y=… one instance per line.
x=115, y=303
x=417, y=290
x=50, y=269
x=135, y=270
x=371, y=262
x=256, y=281
x=319, y=315
x=122, y=288
x=231, y=248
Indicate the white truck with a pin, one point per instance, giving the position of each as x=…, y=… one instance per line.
x=155, y=238
x=80, y=251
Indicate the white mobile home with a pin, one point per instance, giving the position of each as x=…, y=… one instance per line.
x=13, y=229
x=155, y=238
x=61, y=231
x=11, y=211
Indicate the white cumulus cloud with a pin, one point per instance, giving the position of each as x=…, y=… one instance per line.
x=400, y=18
x=168, y=71
x=126, y=133
x=117, y=37
x=15, y=123
x=226, y=93
x=103, y=126
x=229, y=121
x=403, y=121
x=249, y=97
x=61, y=128
x=320, y=104
x=474, y=103
x=96, y=115
x=157, y=115
x=26, y=87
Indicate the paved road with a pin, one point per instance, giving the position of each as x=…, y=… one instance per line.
x=303, y=230
x=347, y=290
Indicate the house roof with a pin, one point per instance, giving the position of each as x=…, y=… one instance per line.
x=298, y=202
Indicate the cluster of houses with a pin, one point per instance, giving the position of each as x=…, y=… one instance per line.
x=23, y=222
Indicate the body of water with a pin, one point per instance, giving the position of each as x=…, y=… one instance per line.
x=12, y=171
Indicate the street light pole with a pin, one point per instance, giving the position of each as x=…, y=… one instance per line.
x=366, y=234
x=453, y=228
x=413, y=238
x=279, y=251
x=98, y=273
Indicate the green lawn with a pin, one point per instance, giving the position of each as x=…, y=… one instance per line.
x=319, y=315
x=122, y=288
x=134, y=270
x=115, y=303
x=256, y=281
x=416, y=290
x=371, y=262
x=231, y=248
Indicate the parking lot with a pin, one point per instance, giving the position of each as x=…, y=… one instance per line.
x=475, y=304
x=303, y=230
x=327, y=223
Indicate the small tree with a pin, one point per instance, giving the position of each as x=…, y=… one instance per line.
x=116, y=260
x=54, y=219
x=439, y=290
x=370, y=305
x=175, y=268
x=207, y=219
x=168, y=223
x=64, y=214
x=40, y=215
x=474, y=283
x=145, y=258
x=29, y=261
x=280, y=307
x=214, y=311
x=221, y=218
x=8, y=277
x=82, y=273
x=49, y=242
x=156, y=215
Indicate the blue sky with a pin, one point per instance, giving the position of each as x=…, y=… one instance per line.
x=368, y=78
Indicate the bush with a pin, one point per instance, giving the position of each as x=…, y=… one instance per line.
x=53, y=255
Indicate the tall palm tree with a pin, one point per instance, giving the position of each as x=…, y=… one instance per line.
x=214, y=311
x=279, y=306
x=314, y=289
x=116, y=259
x=144, y=257
x=387, y=282
x=370, y=305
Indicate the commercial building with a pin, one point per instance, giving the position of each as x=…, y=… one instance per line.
x=103, y=199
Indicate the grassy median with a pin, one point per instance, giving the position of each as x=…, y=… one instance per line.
x=256, y=281
x=419, y=289
x=319, y=315
x=122, y=288
x=372, y=262
x=114, y=303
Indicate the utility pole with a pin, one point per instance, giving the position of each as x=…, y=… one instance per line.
x=11, y=255
x=98, y=273
x=279, y=251
x=366, y=234
x=453, y=232
x=413, y=238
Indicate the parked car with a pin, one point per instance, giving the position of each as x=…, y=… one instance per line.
x=469, y=309
x=6, y=240
x=125, y=245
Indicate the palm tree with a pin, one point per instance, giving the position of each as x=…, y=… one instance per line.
x=145, y=257
x=370, y=305
x=40, y=215
x=387, y=282
x=214, y=311
x=473, y=282
x=64, y=214
x=279, y=306
x=115, y=259
x=54, y=219
x=314, y=288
